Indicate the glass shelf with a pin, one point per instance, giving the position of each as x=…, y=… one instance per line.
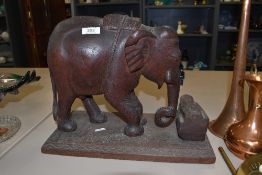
x=239, y=3
x=194, y=35
x=232, y=31
x=4, y=42
x=178, y=6
x=109, y=3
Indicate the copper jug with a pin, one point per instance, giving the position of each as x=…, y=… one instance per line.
x=245, y=137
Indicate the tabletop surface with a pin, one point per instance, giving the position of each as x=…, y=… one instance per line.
x=22, y=153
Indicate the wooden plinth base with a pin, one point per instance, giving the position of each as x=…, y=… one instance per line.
x=108, y=141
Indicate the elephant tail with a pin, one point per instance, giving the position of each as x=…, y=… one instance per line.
x=55, y=104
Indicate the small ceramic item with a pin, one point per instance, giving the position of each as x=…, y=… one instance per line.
x=203, y=30
x=5, y=36
x=2, y=60
x=179, y=28
x=185, y=58
x=197, y=2
x=179, y=1
x=159, y=2
x=200, y=65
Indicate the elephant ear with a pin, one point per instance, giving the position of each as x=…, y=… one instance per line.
x=137, y=49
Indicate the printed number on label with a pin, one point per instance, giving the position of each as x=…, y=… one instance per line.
x=90, y=30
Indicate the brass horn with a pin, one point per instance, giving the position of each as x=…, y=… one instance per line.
x=234, y=110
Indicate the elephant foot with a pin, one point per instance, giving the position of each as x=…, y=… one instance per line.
x=67, y=126
x=143, y=121
x=100, y=118
x=133, y=130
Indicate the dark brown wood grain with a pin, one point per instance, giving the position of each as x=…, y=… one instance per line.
x=157, y=144
x=111, y=63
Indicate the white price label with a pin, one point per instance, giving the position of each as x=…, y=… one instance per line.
x=101, y=129
x=91, y=31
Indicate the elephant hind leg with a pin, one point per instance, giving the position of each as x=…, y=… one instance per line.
x=64, y=122
x=95, y=114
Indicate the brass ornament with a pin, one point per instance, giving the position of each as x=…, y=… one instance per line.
x=234, y=108
x=251, y=166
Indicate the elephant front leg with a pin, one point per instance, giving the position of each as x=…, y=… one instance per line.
x=95, y=114
x=130, y=110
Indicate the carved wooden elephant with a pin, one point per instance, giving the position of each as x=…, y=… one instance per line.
x=110, y=62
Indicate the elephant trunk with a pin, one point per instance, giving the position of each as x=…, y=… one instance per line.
x=166, y=115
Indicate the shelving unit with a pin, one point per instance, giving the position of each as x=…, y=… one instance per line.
x=5, y=45
x=12, y=49
x=228, y=38
x=208, y=48
x=198, y=46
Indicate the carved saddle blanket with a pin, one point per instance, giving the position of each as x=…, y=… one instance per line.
x=124, y=22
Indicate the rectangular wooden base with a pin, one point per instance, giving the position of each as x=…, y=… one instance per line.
x=108, y=141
